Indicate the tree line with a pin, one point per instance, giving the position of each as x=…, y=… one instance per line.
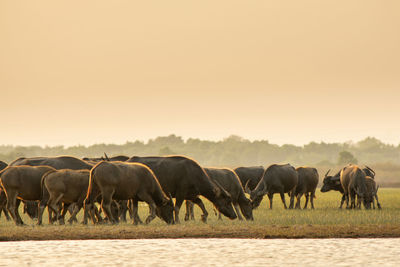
x=236, y=151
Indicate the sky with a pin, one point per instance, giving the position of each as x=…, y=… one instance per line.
x=86, y=72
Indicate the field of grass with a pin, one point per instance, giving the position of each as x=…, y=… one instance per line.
x=326, y=221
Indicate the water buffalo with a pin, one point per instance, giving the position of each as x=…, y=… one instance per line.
x=124, y=181
x=185, y=179
x=307, y=184
x=276, y=179
x=60, y=162
x=333, y=183
x=353, y=182
x=229, y=180
x=372, y=192
x=66, y=186
x=22, y=182
x=251, y=174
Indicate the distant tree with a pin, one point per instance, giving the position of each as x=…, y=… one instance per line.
x=345, y=157
x=165, y=151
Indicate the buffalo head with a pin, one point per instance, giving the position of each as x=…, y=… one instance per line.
x=223, y=202
x=166, y=210
x=331, y=183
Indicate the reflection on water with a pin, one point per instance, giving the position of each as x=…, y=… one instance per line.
x=203, y=252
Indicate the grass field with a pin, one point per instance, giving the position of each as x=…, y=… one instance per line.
x=326, y=221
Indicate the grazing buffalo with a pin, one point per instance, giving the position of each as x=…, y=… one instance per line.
x=276, y=179
x=185, y=179
x=353, y=182
x=67, y=187
x=307, y=184
x=229, y=180
x=61, y=162
x=250, y=175
x=22, y=182
x=372, y=192
x=124, y=181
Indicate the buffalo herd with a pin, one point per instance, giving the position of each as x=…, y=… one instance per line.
x=117, y=184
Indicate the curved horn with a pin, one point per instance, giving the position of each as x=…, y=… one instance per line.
x=370, y=170
x=326, y=174
x=106, y=156
x=246, y=187
x=222, y=189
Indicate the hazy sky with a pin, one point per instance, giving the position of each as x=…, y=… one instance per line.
x=84, y=72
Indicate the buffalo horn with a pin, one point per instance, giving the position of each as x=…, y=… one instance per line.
x=246, y=187
x=327, y=172
x=222, y=189
x=106, y=156
x=370, y=169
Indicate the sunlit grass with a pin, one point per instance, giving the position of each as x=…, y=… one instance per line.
x=326, y=220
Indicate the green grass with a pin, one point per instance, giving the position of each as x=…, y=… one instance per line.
x=326, y=220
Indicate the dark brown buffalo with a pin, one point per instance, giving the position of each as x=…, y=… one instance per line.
x=353, y=182
x=22, y=182
x=372, y=192
x=306, y=185
x=67, y=187
x=276, y=179
x=250, y=175
x=61, y=162
x=185, y=179
x=229, y=180
x=124, y=181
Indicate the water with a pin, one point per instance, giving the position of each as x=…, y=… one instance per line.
x=203, y=252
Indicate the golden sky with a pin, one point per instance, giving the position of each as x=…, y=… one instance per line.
x=94, y=71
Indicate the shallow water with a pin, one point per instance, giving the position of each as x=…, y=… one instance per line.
x=203, y=252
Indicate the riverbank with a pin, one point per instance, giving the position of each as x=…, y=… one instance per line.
x=80, y=232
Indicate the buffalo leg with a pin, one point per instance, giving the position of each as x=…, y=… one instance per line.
x=135, y=215
x=189, y=215
x=42, y=205
x=312, y=196
x=53, y=204
x=178, y=204
x=12, y=206
x=298, y=197
x=106, y=205
x=200, y=203
x=270, y=197
x=342, y=201
x=292, y=193
x=377, y=202
x=283, y=199
x=149, y=200
x=237, y=209
x=307, y=196
x=77, y=207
